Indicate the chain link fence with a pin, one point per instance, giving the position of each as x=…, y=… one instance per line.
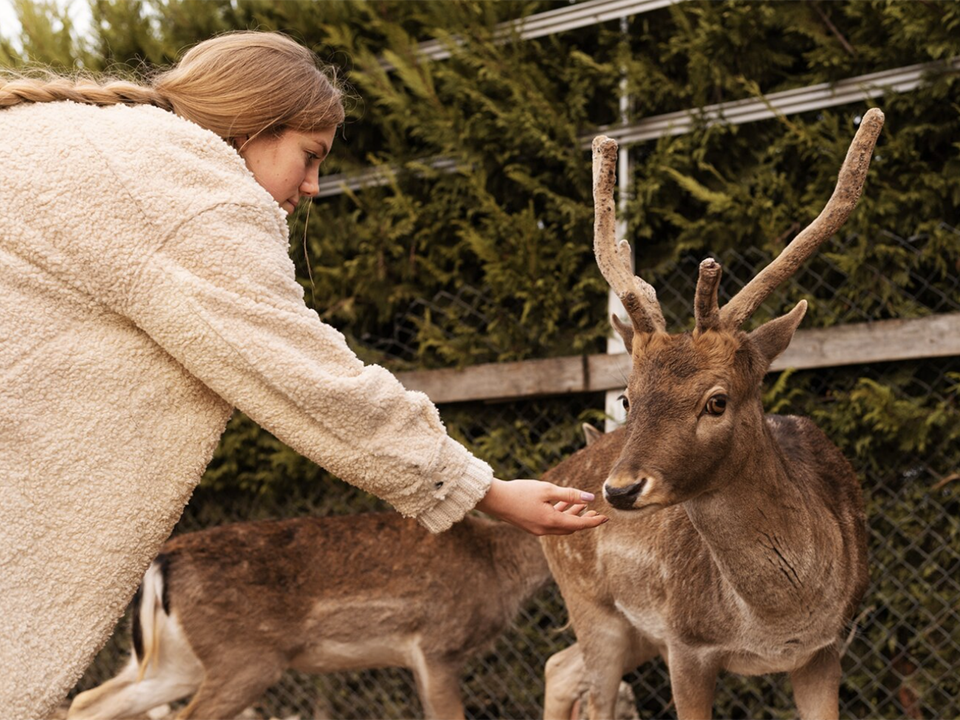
x=903, y=650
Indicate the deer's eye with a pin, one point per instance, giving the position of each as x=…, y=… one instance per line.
x=625, y=400
x=716, y=405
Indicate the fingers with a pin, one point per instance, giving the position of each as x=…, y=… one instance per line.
x=571, y=496
x=566, y=524
x=571, y=518
x=570, y=504
x=575, y=510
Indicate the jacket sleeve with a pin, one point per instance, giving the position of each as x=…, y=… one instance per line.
x=220, y=296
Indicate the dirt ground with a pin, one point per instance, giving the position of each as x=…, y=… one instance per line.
x=626, y=710
x=165, y=712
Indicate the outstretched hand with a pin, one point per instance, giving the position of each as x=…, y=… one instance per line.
x=540, y=508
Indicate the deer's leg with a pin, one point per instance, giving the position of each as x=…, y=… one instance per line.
x=610, y=649
x=693, y=682
x=816, y=686
x=125, y=696
x=438, y=686
x=565, y=676
x=229, y=688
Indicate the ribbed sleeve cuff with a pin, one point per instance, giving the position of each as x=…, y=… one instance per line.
x=461, y=498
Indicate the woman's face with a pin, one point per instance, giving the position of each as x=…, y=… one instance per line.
x=287, y=166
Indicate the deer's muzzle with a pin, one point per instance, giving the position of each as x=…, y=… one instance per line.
x=624, y=497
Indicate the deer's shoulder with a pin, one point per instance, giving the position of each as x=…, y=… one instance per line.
x=816, y=460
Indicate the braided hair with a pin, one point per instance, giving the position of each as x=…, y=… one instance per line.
x=240, y=83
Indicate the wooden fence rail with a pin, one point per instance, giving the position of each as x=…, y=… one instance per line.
x=853, y=344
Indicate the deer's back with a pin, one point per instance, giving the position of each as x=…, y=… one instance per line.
x=290, y=583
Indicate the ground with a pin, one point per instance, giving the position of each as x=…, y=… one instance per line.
x=165, y=712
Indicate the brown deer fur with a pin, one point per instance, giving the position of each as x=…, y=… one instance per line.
x=225, y=611
x=736, y=539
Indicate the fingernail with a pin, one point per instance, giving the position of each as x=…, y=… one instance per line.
x=587, y=497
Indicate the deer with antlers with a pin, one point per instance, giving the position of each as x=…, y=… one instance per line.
x=737, y=540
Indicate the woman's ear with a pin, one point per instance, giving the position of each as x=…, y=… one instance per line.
x=238, y=142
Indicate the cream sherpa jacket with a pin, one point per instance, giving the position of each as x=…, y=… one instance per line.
x=146, y=292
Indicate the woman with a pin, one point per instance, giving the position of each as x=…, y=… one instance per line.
x=146, y=292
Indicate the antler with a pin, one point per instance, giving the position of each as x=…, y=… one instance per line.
x=638, y=297
x=834, y=214
x=705, y=307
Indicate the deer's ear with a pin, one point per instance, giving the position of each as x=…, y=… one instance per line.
x=773, y=337
x=625, y=331
x=590, y=433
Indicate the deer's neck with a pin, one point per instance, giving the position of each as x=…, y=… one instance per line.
x=766, y=532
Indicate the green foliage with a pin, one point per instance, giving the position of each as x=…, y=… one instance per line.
x=48, y=37
x=513, y=219
x=527, y=444
x=910, y=639
x=885, y=419
x=128, y=34
x=258, y=476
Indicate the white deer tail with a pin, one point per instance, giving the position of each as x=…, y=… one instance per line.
x=149, y=616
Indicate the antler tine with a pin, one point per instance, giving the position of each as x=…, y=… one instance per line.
x=638, y=297
x=850, y=181
x=705, y=307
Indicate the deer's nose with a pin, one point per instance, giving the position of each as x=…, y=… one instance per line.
x=623, y=498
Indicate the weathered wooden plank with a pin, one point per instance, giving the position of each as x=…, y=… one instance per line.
x=498, y=381
x=882, y=341
x=855, y=344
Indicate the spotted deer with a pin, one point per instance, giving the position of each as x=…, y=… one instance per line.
x=224, y=612
x=736, y=539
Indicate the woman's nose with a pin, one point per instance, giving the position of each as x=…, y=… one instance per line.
x=310, y=185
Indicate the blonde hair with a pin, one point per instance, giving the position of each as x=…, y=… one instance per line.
x=241, y=83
